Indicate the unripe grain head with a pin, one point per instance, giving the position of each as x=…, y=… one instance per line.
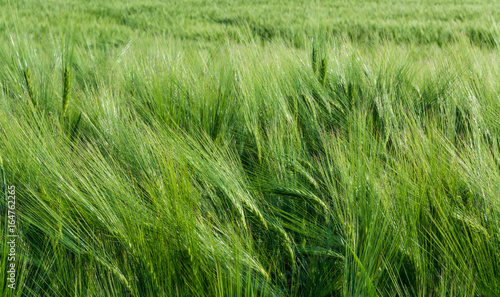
x=67, y=89
x=29, y=86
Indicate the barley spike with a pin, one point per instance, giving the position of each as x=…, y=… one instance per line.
x=67, y=89
x=29, y=85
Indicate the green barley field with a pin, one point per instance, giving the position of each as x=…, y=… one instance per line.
x=249, y=148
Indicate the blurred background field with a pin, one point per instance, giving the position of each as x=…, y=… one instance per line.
x=114, y=23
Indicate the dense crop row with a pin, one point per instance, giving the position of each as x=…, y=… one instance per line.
x=165, y=166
